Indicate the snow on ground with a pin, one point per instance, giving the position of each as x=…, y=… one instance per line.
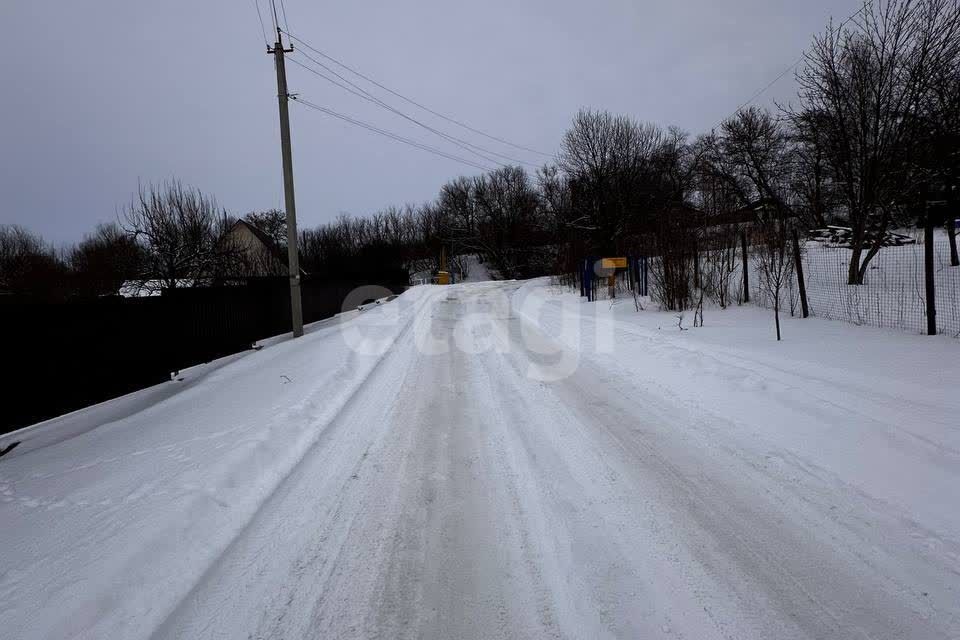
x=503, y=460
x=476, y=271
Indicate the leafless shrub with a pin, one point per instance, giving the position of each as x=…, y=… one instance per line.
x=773, y=261
x=719, y=264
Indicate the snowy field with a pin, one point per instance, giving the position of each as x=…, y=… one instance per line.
x=504, y=460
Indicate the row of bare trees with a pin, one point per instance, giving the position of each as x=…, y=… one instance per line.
x=880, y=103
x=168, y=236
x=871, y=140
x=503, y=217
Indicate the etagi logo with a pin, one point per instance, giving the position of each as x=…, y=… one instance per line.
x=543, y=330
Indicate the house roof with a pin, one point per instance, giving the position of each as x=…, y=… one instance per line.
x=261, y=235
x=745, y=214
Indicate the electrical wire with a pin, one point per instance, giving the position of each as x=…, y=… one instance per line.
x=363, y=94
x=389, y=134
x=413, y=102
x=784, y=72
x=366, y=95
x=276, y=21
x=283, y=11
x=263, y=29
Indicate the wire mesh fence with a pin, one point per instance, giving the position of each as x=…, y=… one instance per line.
x=892, y=296
x=893, y=293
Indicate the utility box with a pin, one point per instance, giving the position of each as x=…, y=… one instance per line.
x=443, y=277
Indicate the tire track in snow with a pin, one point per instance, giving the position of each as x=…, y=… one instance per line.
x=323, y=434
x=857, y=597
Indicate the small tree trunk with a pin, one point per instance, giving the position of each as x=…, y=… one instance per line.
x=952, y=237
x=646, y=281
x=853, y=273
x=696, y=266
x=862, y=272
x=776, y=313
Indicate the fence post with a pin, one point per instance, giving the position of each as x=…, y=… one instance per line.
x=800, y=282
x=928, y=273
x=588, y=277
x=646, y=284
x=640, y=290
x=746, y=272
x=580, y=276
x=635, y=265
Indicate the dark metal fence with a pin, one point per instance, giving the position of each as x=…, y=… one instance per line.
x=59, y=357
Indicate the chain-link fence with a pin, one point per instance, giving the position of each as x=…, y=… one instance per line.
x=893, y=293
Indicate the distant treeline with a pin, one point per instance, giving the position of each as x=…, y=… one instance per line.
x=872, y=141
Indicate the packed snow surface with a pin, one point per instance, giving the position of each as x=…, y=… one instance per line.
x=503, y=460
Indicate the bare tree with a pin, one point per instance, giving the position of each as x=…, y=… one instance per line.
x=940, y=161
x=859, y=93
x=773, y=261
x=28, y=265
x=273, y=223
x=507, y=225
x=610, y=162
x=758, y=150
x=180, y=229
x=811, y=182
x=104, y=260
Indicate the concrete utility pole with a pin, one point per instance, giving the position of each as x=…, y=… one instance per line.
x=293, y=259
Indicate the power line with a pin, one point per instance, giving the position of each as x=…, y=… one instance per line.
x=413, y=102
x=263, y=29
x=283, y=10
x=785, y=71
x=389, y=107
x=276, y=22
x=366, y=95
x=390, y=134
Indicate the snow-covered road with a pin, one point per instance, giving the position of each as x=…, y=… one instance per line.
x=497, y=460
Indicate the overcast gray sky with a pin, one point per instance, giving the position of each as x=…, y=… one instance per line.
x=100, y=94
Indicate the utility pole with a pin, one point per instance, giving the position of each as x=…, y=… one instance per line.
x=293, y=259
